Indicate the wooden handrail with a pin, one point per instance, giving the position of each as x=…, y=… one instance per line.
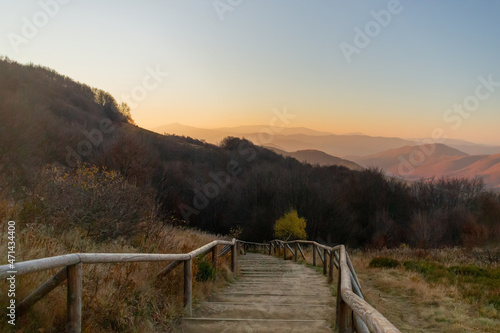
x=37, y=265
x=71, y=265
x=375, y=321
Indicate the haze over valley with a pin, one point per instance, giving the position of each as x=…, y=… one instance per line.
x=406, y=158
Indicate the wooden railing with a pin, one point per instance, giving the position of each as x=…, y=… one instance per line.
x=72, y=264
x=353, y=312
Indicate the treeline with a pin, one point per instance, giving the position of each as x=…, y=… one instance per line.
x=51, y=125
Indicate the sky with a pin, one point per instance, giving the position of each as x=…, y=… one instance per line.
x=384, y=68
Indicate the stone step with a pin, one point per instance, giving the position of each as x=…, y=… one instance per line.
x=256, y=288
x=260, y=282
x=275, y=290
x=274, y=280
x=264, y=311
x=210, y=325
x=253, y=298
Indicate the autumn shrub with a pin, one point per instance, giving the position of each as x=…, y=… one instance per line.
x=206, y=270
x=101, y=202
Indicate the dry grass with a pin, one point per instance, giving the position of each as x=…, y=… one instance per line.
x=116, y=297
x=447, y=256
x=413, y=304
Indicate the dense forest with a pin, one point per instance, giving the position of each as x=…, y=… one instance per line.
x=71, y=156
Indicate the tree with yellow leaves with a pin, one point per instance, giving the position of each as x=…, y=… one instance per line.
x=290, y=226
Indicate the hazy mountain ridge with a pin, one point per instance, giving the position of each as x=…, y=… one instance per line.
x=348, y=146
x=215, y=135
x=294, y=139
x=442, y=162
x=316, y=157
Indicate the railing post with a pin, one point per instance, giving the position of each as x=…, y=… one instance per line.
x=270, y=247
x=233, y=256
x=314, y=254
x=74, y=299
x=296, y=251
x=325, y=254
x=344, y=312
x=214, y=259
x=330, y=263
x=188, y=286
x=284, y=251
x=339, y=298
x=345, y=318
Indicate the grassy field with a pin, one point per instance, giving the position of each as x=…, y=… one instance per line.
x=447, y=290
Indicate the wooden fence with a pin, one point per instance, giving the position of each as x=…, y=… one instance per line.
x=353, y=312
x=71, y=269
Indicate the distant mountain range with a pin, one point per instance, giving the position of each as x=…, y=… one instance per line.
x=437, y=160
x=291, y=139
x=391, y=159
x=407, y=158
x=316, y=157
x=215, y=135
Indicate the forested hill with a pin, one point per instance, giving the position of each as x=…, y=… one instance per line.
x=50, y=120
